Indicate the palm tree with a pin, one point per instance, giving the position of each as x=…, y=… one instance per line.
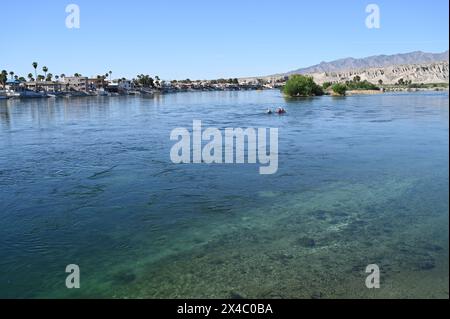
x=45, y=69
x=12, y=74
x=35, y=65
x=30, y=77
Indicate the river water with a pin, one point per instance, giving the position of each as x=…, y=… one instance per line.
x=89, y=181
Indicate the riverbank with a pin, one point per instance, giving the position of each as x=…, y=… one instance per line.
x=144, y=91
x=354, y=92
x=390, y=90
x=150, y=93
x=406, y=89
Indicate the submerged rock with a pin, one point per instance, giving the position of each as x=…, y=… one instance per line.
x=325, y=214
x=426, y=264
x=123, y=277
x=317, y=295
x=320, y=214
x=340, y=214
x=306, y=242
x=432, y=247
x=235, y=295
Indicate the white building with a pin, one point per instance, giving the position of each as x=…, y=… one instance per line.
x=125, y=85
x=79, y=83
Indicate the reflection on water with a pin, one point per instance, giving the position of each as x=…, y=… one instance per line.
x=361, y=180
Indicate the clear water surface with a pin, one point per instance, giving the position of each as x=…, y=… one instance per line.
x=89, y=181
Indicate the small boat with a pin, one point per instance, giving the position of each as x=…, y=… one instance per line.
x=147, y=94
x=13, y=94
x=102, y=92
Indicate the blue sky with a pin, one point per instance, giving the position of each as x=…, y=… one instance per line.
x=204, y=39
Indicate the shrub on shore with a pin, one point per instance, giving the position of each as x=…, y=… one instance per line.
x=339, y=88
x=300, y=85
x=326, y=85
x=361, y=85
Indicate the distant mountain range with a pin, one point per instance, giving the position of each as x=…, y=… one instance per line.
x=376, y=61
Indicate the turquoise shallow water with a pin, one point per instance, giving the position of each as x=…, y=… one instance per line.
x=361, y=180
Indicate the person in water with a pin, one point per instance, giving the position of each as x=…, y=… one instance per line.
x=269, y=111
x=281, y=110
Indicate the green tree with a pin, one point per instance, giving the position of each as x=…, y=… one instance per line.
x=35, y=65
x=361, y=85
x=157, y=80
x=145, y=81
x=3, y=78
x=300, y=85
x=380, y=82
x=45, y=69
x=326, y=85
x=339, y=88
x=11, y=74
